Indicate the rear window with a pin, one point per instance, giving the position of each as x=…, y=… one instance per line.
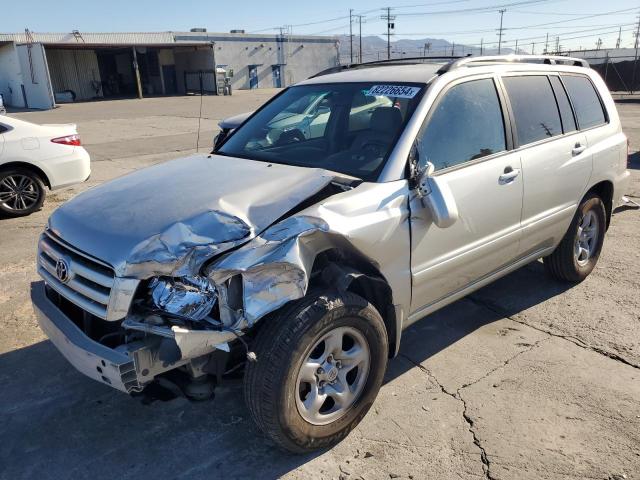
x=585, y=101
x=534, y=107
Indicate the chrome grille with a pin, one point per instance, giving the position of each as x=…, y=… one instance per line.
x=89, y=283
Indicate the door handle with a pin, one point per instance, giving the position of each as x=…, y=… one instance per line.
x=508, y=176
x=578, y=149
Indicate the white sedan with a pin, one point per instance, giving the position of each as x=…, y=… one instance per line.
x=35, y=157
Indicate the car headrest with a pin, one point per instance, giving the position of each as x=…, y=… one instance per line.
x=386, y=119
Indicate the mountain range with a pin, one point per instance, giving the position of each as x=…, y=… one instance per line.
x=375, y=48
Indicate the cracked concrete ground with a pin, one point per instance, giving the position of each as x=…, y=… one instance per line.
x=527, y=378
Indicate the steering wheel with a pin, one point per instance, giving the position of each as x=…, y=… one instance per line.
x=291, y=136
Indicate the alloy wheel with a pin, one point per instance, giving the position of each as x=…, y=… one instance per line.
x=332, y=376
x=18, y=192
x=587, y=238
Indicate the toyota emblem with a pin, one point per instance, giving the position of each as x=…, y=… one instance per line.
x=62, y=270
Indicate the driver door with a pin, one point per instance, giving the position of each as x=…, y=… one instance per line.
x=464, y=136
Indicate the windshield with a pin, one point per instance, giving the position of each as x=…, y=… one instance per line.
x=346, y=127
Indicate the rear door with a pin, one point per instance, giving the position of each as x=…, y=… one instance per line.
x=555, y=163
x=465, y=138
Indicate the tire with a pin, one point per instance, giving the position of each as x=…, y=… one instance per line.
x=569, y=262
x=22, y=192
x=275, y=385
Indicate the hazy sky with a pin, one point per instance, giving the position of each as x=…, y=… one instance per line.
x=577, y=22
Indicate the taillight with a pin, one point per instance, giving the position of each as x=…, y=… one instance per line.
x=73, y=140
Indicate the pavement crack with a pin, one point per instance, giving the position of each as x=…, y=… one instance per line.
x=505, y=363
x=575, y=340
x=486, y=464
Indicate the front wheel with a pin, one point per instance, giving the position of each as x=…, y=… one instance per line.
x=320, y=364
x=578, y=252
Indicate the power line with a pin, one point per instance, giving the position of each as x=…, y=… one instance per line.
x=488, y=8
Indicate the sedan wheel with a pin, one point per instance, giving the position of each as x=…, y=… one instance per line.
x=21, y=192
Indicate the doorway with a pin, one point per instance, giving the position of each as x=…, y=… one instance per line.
x=169, y=77
x=253, y=76
x=277, y=76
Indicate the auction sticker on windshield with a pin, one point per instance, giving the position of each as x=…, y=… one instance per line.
x=398, y=91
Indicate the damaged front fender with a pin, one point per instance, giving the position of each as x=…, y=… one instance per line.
x=276, y=267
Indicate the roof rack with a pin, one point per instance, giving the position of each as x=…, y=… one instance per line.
x=546, y=59
x=382, y=63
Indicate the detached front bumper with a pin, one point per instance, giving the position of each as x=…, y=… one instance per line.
x=124, y=371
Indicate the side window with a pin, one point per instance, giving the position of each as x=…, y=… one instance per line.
x=534, y=107
x=585, y=101
x=566, y=114
x=466, y=124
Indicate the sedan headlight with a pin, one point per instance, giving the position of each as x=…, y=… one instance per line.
x=191, y=297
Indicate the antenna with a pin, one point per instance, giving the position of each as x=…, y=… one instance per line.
x=200, y=113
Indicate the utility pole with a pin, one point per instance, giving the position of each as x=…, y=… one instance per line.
x=516, y=46
x=453, y=48
x=546, y=45
x=481, y=46
x=351, y=33
x=598, y=44
x=557, y=45
x=618, y=40
x=390, y=26
x=360, y=35
x=502, y=10
x=635, y=61
x=533, y=48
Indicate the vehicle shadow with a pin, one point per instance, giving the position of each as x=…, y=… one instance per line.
x=634, y=161
x=55, y=423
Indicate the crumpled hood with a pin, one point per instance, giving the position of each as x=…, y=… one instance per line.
x=170, y=218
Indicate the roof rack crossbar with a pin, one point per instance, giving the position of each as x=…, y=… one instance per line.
x=548, y=59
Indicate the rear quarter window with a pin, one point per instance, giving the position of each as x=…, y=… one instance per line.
x=585, y=100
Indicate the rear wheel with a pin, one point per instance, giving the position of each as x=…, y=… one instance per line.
x=22, y=192
x=578, y=252
x=320, y=364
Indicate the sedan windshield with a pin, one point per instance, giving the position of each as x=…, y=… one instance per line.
x=349, y=128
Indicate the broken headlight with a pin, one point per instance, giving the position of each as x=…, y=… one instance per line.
x=191, y=297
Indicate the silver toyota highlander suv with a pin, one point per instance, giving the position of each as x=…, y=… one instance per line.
x=302, y=254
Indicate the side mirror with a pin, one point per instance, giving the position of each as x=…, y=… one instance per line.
x=437, y=197
x=227, y=126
